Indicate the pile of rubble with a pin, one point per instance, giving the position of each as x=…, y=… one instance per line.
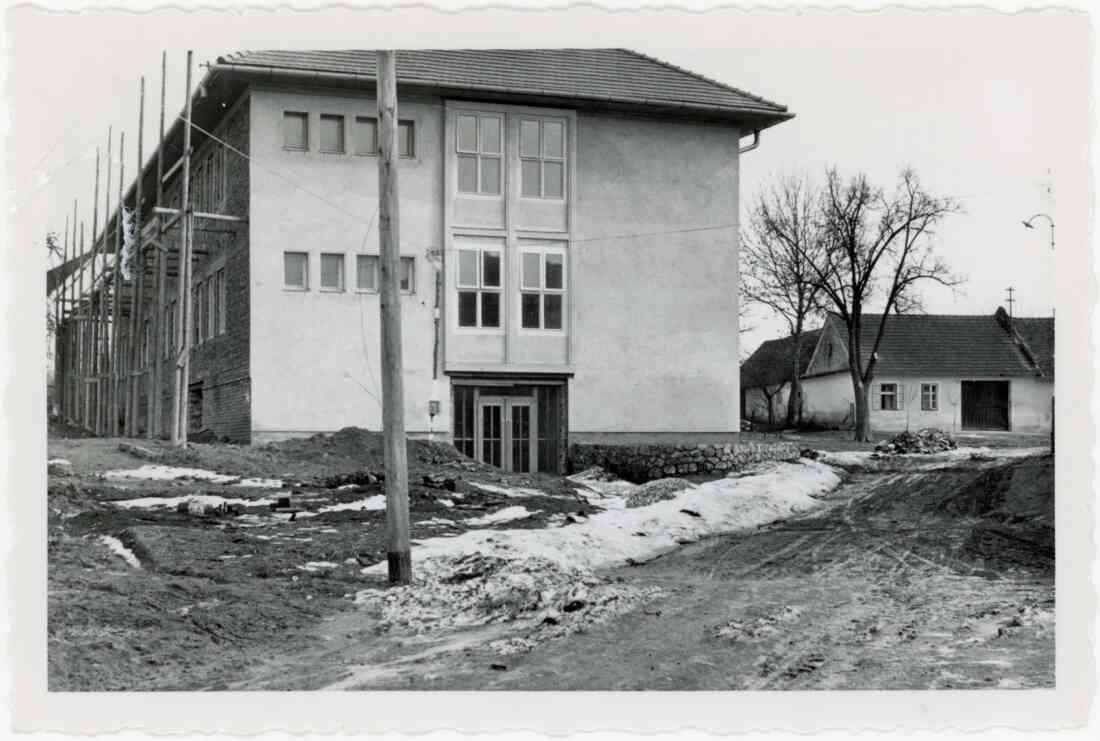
x=923, y=442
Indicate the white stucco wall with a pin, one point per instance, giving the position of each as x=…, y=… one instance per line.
x=315, y=355
x=656, y=347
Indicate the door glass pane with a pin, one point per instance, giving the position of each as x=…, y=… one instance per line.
x=529, y=171
x=490, y=135
x=553, y=138
x=491, y=275
x=552, y=173
x=467, y=308
x=490, y=175
x=491, y=434
x=467, y=133
x=467, y=268
x=530, y=310
x=555, y=268
x=490, y=309
x=521, y=438
x=531, y=268
x=467, y=173
x=529, y=138
x=366, y=136
x=553, y=310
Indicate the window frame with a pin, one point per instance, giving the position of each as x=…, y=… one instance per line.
x=304, y=115
x=931, y=392
x=479, y=154
x=222, y=294
x=893, y=394
x=413, y=141
x=542, y=157
x=302, y=288
x=377, y=277
x=341, y=130
x=342, y=274
x=542, y=250
x=479, y=288
x=373, y=272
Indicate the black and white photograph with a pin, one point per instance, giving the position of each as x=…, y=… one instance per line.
x=391, y=351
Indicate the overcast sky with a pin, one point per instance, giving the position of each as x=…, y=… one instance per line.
x=992, y=109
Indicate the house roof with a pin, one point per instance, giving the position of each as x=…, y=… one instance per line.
x=1038, y=333
x=597, y=75
x=770, y=364
x=947, y=345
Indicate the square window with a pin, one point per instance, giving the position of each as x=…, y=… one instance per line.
x=490, y=276
x=553, y=173
x=530, y=172
x=296, y=270
x=332, y=134
x=552, y=310
x=295, y=130
x=366, y=272
x=553, y=139
x=467, y=133
x=490, y=175
x=529, y=310
x=366, y=135
x=406, y=139
x=555, y=271
x=408, y=274
x=532, y=267
x=332, y=272
x=467, y=173
x=528, y=138
x=467, y=308
x=467, y=268
x=490, y=309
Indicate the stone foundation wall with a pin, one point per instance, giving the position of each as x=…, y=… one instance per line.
x=641, y=463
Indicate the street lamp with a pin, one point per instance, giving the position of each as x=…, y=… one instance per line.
x=1027, y=223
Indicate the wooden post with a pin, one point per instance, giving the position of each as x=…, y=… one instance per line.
x=137, y=298
x=81, y=386
x=73, y=324
x=101, y=325
x=58, y=300
x=117, y=380
x=393, y=393
x=156, y=401
x=183, y=286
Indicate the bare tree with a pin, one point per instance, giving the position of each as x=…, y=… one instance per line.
x=783, y=242
x=879, y=246
x=760, y=378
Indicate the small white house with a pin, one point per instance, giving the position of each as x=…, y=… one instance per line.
x=953, y=372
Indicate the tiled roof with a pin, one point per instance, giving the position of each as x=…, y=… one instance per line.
x=955, y=346
x=770, y=364
x=1038, y=333
x=617, y=75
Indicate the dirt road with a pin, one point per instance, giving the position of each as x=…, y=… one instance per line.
x=906, y=579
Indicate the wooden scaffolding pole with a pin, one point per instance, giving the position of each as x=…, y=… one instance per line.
x=72, y=330
x=156, y=420
x=137, y=298
x=100, y=293
x=117, y=366
x=83, y=360
x=183, y=286
x=393, y=392
x=58, y=346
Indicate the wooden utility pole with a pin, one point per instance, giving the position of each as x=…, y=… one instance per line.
x=156, y=395
x=116, y=348
x=393, y=392
x=137, y=297
x=183, y=286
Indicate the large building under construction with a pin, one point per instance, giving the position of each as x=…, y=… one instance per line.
x=568, y=239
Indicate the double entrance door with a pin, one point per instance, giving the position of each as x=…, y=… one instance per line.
x=506, y=434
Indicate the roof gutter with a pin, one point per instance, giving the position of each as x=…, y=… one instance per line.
x=754, y=145
x=276, y=73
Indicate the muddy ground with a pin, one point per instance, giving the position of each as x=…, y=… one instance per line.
x=902, y=579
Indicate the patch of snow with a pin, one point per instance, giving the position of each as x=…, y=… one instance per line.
x=156, y=472
x=120, y=550
x=436, y=521
x=508, y=514
x=205, y=500
x=607, y=539
x=261, y=483
x=926, y=461
x=58, y=462
x=517, y=492
x=318, y=565
x=374, y=503
x=297, y=515
x=446, y=502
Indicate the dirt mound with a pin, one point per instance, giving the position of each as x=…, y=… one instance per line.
x=657, y=491
x=364, y=446
x=924, y=442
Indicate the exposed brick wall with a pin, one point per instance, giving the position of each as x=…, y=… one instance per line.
x=220, y=364
x=641, y=463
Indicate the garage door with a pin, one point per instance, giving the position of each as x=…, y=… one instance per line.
x=985, y=405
